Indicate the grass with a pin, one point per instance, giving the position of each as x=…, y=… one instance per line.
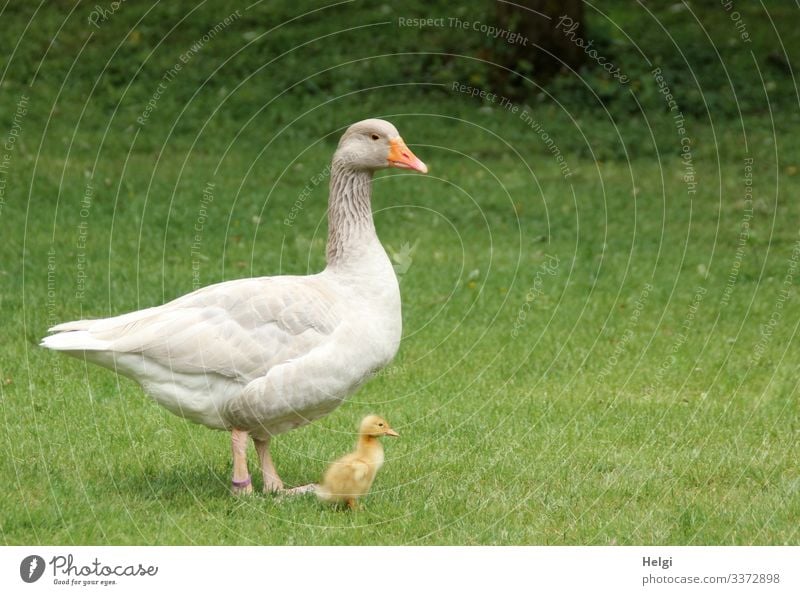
x=633, y=393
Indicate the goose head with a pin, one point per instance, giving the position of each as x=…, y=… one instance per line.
x=375, y=144
x=375, y=426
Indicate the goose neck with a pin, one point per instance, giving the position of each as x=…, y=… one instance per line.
x=350, y=224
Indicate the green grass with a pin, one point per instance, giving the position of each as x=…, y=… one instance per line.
x=593, y=420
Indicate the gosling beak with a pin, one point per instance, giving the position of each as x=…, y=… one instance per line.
x=390, y=431
x=401, y=156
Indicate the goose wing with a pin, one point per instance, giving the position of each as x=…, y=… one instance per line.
x=239, y=329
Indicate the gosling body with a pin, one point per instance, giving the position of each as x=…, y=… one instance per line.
x=350, y=478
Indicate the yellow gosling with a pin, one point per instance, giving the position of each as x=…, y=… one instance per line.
x=351, y=477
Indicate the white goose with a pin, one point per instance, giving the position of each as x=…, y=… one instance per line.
x=262, y=356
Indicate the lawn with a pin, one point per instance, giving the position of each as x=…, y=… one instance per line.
x=602, y=354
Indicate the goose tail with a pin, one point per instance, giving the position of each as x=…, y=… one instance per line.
x=66, y=339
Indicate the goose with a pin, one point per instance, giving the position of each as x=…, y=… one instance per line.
x=262, y=356
x=351, y=476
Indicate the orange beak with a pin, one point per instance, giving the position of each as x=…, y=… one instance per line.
x=401, y=156
x=390, y=431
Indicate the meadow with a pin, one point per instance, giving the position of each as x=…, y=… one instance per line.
x=600, y=311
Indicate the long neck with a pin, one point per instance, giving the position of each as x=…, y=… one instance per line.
x=350, y=223
x=368, y=445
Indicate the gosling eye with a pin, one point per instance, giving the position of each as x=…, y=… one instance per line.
x=380, y=425
x=375, y=137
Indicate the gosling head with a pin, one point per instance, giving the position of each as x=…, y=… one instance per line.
x=375, y=144
x=375, y=426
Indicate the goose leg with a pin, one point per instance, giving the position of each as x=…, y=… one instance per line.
x=241, y=478
x=272, y=483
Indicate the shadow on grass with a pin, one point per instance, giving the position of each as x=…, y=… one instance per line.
x=187, y=482
x=175, y=483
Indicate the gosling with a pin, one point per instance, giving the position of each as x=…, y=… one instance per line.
x=351, y=477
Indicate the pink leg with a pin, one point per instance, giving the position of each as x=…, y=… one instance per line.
x=272, y=483
x=241, y=478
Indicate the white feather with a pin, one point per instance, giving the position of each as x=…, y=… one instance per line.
x=74, y=341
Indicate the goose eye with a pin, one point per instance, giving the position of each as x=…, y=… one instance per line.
x=380, y=425
x=375, y=137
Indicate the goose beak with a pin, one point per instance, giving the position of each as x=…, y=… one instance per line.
x=390, y=431
x=401, y=156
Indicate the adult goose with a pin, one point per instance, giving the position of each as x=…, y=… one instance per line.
x=258, y=357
